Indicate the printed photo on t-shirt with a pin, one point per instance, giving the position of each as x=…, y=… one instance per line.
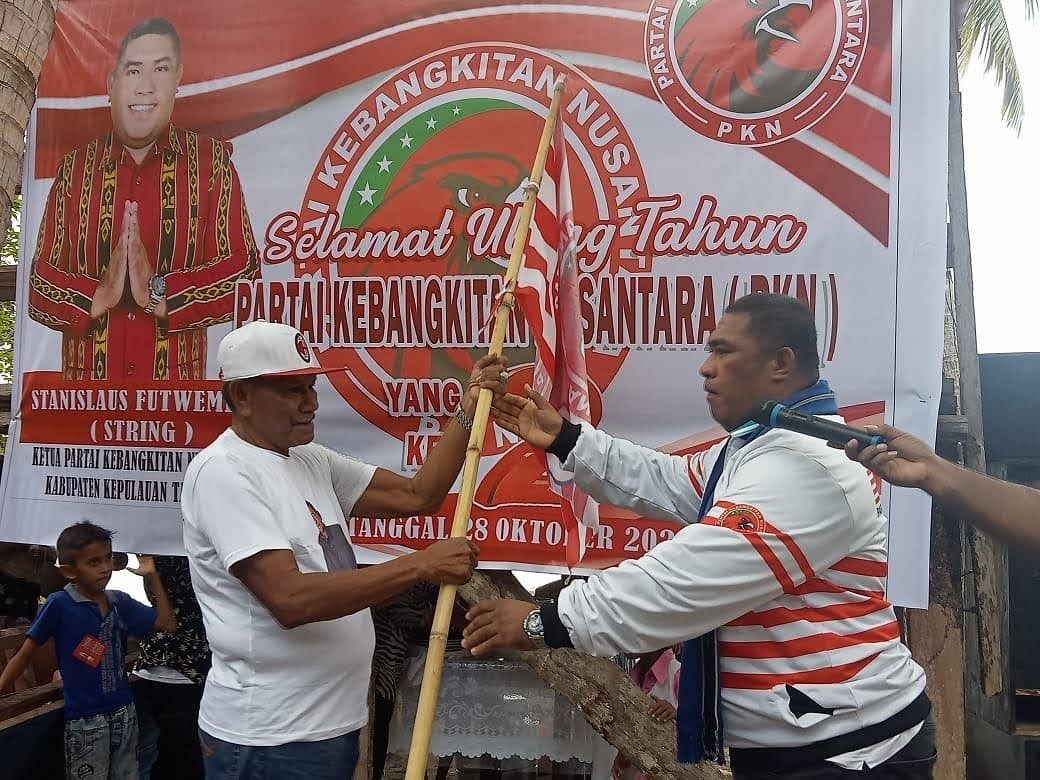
x=339, y=554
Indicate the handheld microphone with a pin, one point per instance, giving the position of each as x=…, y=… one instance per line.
x=776, y=415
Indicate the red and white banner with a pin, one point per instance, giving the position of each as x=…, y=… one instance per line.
x=547, y=288
x=357, y=172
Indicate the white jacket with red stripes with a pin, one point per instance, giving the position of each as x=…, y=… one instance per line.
x=789, y=564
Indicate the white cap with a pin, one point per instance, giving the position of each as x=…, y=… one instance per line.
x=266, y=349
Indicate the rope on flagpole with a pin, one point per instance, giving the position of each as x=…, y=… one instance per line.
x=418, y=754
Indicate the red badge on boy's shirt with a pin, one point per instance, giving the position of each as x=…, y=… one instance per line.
x=90, y=651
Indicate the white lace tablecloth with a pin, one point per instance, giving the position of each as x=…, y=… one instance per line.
x=499, y=708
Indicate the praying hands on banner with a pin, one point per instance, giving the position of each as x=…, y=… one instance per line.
x=128, y=262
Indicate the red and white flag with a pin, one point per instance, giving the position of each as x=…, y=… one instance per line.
x=547, y=288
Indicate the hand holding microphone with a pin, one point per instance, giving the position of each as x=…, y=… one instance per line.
x=773, y=414
x=903, y=460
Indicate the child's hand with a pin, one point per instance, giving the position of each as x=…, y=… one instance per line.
x=662, y=711
x=145, y=566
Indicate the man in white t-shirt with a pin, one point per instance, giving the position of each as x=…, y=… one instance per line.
x=285, y=607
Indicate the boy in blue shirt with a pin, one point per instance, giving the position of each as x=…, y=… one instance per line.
x=90, y=626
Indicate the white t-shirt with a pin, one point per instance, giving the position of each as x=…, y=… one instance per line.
x=270, y=685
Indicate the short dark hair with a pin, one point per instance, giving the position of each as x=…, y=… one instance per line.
x=779, y=321
x=76, y=537
x=155, y=25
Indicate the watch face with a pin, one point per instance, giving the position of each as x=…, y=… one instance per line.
x=533, y=623
x=157, y=286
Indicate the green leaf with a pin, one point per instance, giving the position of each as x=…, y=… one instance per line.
x=7, y=313
x=985, y=32
x=9, y=250
x=8, y=256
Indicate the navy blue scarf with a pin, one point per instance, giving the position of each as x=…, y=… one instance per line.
x=699, y=721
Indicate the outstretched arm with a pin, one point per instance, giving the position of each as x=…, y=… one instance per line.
x=611, y=470
x=295, y=598
x=762, y=538
x=393, y=495
x=1008, y=511
x=16, y=666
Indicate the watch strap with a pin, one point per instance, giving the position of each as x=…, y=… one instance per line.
x=556, y=634
x=154, y=299
x=537, y=638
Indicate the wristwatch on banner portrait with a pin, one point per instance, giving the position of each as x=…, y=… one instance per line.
x=534, y=629
x=156, y=292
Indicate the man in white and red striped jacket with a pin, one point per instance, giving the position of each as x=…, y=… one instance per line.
x=788, y=563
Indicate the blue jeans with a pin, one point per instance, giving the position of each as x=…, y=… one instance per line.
x=102, y=747
x=329, y=759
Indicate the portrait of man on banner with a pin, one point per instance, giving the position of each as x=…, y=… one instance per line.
x=145, y=231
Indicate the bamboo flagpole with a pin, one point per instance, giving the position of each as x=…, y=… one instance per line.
x=418, y=754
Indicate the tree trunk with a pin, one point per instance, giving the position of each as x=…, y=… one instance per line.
x=988, y=556
x=937, y=641
x=602, y=692
x=26, y=27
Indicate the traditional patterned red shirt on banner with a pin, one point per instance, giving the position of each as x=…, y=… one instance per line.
x=197, y=234
x=547, y=289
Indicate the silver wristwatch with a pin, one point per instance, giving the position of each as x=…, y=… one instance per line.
x=156, y=292
x=534, y=629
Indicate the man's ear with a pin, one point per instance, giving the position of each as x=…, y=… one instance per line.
x=239, y=392
x=785, y=363
x=67, y=571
